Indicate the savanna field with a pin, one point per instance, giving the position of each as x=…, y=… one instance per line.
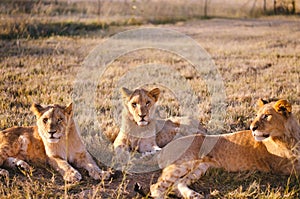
x=43, y=46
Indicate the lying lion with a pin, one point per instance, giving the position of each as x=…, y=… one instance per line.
x=54, y=140
x=272, y=145
x=141, y=131
x=138, y=130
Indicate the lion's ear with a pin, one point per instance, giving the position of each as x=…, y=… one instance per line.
x=69, y=108
x=37, y=109
x=126, y=93
x=283, y=107
x=261, y=102
x=155, y=93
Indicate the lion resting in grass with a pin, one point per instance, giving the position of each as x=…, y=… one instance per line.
x=137, y=130
x=140, y=131
x=54, y=140
x=272, y=145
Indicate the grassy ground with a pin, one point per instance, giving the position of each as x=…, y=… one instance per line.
x=256, y=58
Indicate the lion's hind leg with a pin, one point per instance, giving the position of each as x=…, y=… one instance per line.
x=4, y=173
x=177, y=177
x=16, y=153
x=182, y=184
x=165, y=182
x=15, y=163
x=3, y=157
x=9, y=150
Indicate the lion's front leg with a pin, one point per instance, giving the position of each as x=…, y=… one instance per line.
x=85, y=160
x=121, y=142
x=65, y=169
x=121, y=149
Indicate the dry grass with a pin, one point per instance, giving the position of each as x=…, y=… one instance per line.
x=256, y=58
x=76, y=17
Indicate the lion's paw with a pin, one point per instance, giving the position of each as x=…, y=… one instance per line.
x=16, y=163
x=23, y=166
x=154, y=150
x=156, y=193
x=98, y=174
x=72, y=175
x=196, y=195
x=177, y=129
x=4, y=173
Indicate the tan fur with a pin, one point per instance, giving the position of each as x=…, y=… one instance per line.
x=175, y=127
x=277, y=150
x=54, y=140
x=138, y=126
x=150, y=134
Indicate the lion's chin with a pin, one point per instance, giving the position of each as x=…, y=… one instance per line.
x=142, y=123
x=260, y=136
x=53, y=140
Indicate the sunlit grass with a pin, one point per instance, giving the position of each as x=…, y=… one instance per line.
x=40, y=57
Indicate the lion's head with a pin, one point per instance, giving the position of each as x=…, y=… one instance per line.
x=52, y=121
x=271, y=119
x=140, y=104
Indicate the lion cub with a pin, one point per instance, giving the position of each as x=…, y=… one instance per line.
x=54, y=140
x=142, y=132
x=138, y=128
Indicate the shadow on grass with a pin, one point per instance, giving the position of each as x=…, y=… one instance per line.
x=36, y=29
x=218, y=183
x=32, y=30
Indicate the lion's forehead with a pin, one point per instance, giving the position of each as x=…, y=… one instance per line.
x=54, y=113
x=270, y=111
x=140, y=97
x=266, y=109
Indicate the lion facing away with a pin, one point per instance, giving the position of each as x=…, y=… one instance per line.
x=272, y=145
x=54, y=140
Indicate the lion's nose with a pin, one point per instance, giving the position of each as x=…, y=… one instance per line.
x=52, y=132
x=253, y=128
x=142, y=116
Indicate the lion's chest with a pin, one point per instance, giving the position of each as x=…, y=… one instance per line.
x=140, y=138
x=142, y=144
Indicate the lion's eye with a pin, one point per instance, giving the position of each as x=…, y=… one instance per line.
x=148, y=103
x=133, y=104
x=265, y=116
x=45, y=120
x=59, y=120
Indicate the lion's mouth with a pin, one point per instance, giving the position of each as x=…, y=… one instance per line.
x=142, y=122
x=260, y=136
x=53, y=139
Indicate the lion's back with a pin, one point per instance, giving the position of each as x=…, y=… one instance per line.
x=23, y=143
